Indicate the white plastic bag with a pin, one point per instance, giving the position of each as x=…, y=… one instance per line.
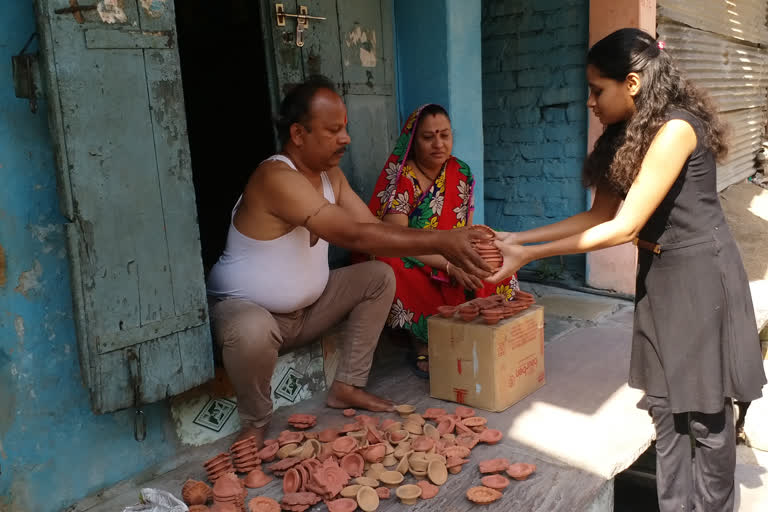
x=155, y=500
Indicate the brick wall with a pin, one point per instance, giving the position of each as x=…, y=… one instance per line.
x=534, y=113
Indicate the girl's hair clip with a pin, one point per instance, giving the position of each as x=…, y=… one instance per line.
x=661, y=44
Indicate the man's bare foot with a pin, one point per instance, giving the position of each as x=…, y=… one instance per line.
x=247, y=431
x=343, y=396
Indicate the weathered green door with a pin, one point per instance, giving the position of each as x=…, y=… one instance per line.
x=353, y=47
x=117, y=118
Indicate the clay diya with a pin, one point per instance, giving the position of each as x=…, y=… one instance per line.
x=198, y=508
x=353, y=464
x=468, y=440
x=391, y=479
x=490, y=436
x=497, y=482
x=342, y=505
x=408, y=494
x=367, y=481
x=256, y=479
x=374, y=471
x=431, y=457
x=521, y=470
x=433, y=413
x=389, y=425
x=195, y=492
x=482, y=495
x=474, y=421
x=431, y=432
x=398, y=436
x=389, y=461
x=269, y=452
x=403, y=466
x=328, y=435
x=464, y=412
x=343, y=445
x=446, y=426
x=437, y=472
x=367, y=498
x=418, y=462
x=280, y=467
x=263, y=504
x=291, y=481
x=288, y=437
x=349, y=412
x=405, y=410
x=229, y=489
x=422, y=444
x=493, y=466
x=299, y=498
x=461, y=452
x=413, y=428
x=446, y=311
x=454, y=464
x=383, y=493
x=223, y=507
x=428, y=491
x=350, y=491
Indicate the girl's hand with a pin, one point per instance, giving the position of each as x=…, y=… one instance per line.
x=508, y=237
x=463, y=279
x=515, y=256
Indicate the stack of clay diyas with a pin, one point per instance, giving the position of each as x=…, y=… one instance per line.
x=299, y=501
x=302, y=421
x=229, y=490
x=218, y=466
x=196, y=493
x=492, y=309
x=487, y=249
x=245, y=455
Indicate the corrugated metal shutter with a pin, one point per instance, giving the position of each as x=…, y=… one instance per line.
x=718, y=44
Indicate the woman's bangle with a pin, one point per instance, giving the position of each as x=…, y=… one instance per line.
x=447, y=266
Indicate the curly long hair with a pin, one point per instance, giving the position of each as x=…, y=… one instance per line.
x=621, y=148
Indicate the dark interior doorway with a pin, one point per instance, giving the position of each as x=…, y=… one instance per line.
x=227, y=105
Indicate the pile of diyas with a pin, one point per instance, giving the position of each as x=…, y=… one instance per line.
x=356, y=465
x=492, y=309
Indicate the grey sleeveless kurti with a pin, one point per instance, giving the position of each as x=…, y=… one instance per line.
x=695, y=337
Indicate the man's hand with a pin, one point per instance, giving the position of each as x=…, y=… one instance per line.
x=466, y=281
x=455, y=245
x=515, y=256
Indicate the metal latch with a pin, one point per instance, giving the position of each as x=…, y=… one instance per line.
x=76, y=10
x=302, y=21
x=24, y=66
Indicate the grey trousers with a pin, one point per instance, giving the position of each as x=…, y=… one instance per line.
x=251, y=337
x=700, y=477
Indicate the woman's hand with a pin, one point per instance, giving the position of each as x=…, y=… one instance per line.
x=515, y=256
x=463, y=279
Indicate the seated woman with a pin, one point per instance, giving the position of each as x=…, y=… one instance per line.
x=423, y=186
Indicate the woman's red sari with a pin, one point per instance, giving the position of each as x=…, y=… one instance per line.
x=447, y=204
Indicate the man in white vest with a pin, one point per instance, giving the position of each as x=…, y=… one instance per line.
x=272, y=290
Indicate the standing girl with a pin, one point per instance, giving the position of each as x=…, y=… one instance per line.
x=695, y=346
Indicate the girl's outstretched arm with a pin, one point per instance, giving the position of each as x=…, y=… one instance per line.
x=661, y=166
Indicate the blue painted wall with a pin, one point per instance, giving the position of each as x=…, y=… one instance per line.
x=53, y=450
x=534, y=112
x=438, y=61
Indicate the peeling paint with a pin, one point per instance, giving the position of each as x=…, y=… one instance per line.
x=111, y=11
x=43, y=233
x=366, y=40
x=29, y=281
x=3, y=276
x=18, y=325
x=153, y=8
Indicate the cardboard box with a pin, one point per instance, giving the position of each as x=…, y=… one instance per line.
x=487, y=366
